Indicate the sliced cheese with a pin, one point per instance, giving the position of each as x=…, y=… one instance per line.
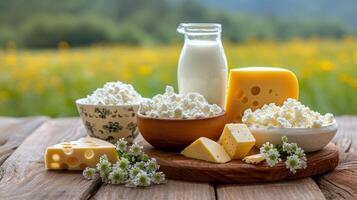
x=206, y=149
x=237, y=140
x=77, y=155
x=253, y=87
x=254, y=159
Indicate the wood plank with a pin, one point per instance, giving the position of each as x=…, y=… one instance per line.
x=346, y=137
x=24, y=176
x=296, y=189
x=13, y=131
x=342, y=183
x=171, y=190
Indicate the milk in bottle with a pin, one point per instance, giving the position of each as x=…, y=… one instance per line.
x=202, y=65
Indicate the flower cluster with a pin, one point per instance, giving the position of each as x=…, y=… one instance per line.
x=134, y=168
x=294, y=155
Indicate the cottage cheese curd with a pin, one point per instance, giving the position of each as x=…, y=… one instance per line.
x=114, y=93
x=292, y=114
x=179, y=106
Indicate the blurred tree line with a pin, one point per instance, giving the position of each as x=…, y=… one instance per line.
x=43, y=24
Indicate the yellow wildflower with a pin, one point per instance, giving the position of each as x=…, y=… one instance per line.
x=326, y=65
x=144, y=70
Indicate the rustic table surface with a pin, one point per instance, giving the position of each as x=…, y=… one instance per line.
x=22, y=174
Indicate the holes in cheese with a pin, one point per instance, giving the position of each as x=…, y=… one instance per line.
x=77, y=155
x=55, y=165
x=255, y=90
x=56, y=157
x=88, y=154
x=258, y=86
x=245, y=100
x=255, y=103
x=68, y=150
x=72, y=161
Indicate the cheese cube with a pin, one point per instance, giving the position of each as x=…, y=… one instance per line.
x=206, y=149
x=77, y=155
x=253, y=87
x=237, y=140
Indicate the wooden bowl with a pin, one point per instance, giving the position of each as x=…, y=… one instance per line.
x=176, y=134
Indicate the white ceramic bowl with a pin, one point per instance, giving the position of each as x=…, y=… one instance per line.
x=109, y=123
x=309, y=139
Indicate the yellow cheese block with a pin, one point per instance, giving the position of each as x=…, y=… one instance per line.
x=253, y=87
x=206, y=149
x=77, y=155
x=237, y=140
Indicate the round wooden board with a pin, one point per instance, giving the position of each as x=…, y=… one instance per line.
x=176, y=166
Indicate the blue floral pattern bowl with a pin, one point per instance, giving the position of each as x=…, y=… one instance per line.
x=109, y=123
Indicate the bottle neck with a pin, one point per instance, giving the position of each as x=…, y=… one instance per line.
x=200, y=31
x=203, y=37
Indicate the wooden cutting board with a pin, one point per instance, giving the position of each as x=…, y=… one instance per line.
x=176, y=166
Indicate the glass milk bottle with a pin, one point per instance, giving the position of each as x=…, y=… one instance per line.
x=202, y=67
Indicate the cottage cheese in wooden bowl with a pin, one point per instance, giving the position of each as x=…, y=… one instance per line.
x=172, y=121
x=309, y=129
x=109, y=113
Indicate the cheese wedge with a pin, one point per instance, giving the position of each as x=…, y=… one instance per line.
x=77, y=155
x=254, y=159
x=237, y=140
x=206, y=149
x=253, y=87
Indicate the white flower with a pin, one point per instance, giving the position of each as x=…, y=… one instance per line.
x=89, y=173
x=140, y=165
x=103, y=158
x=272, y=157
x=143, y=179
x=158, y=178
x=144, y=157
x=117, y=176
x=300, y=153
x=152, y=165
x=121, y=145
x=123, y=164
x=134, y=171
x=266, y=147
x=104, y=168
x=292, y=163
x=135, y=149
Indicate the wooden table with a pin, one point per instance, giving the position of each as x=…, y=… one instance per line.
x=22, y=174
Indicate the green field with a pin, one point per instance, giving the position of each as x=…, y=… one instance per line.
x=47, y=82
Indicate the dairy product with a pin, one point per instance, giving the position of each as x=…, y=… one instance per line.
x=206, y=149
x=178, y=106
x=114, y=93
x=203, y=69
x=253, y=87
x=292, y=114
x=237, y=140
x=77, y=155
x=254, y=159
